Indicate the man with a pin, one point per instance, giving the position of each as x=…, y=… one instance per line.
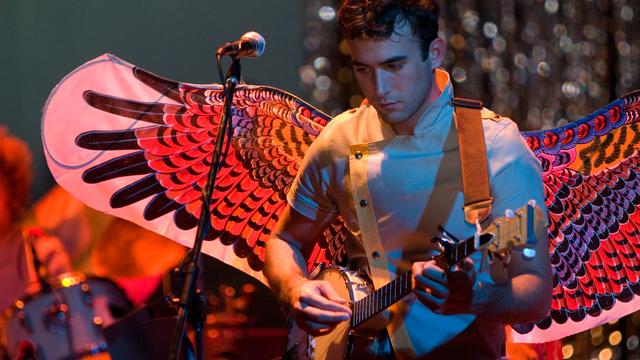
x=408, y=144
x=17, y=273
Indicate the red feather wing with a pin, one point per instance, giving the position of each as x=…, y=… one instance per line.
x=155, y=169
x=592, y=189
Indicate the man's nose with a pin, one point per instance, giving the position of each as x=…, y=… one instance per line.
x=381, y=83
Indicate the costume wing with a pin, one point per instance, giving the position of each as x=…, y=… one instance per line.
x=592, y=190
x=138, y=146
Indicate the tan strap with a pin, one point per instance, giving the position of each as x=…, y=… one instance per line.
x=376, y=255
x=473, y=160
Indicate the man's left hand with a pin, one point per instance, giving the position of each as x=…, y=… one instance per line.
x=444, y=292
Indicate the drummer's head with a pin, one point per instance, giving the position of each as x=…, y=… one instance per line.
x=15, y=178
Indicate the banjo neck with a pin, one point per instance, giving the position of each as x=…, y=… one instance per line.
x=401, y=286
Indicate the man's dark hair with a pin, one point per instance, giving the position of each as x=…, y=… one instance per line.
x=377, y=19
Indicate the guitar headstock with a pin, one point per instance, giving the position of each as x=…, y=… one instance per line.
x=516, y=229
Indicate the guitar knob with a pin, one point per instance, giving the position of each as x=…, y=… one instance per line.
x=509, y=214
x=529, y=253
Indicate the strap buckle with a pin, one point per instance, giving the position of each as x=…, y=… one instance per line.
x=467, y=103
x=478, y=211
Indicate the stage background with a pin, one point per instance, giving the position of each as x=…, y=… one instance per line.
x=542, y=62
x=42, y=41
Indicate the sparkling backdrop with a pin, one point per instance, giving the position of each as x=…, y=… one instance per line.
x=541, y=62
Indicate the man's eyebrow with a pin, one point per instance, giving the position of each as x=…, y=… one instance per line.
x=386, y=62
x=394, y=59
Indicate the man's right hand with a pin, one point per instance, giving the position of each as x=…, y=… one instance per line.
x=317, y=308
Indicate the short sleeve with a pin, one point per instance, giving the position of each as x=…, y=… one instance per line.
x=516, y=176
x=310, y=192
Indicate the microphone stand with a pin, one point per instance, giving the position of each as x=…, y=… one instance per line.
x=204, y=224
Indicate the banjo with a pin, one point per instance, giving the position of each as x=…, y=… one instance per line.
x=516, y=229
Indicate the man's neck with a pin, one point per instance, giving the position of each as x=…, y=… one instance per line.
x=408, y=126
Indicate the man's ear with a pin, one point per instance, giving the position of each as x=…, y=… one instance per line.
x=437, y=50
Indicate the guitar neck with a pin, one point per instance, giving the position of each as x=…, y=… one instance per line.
x=380, y=299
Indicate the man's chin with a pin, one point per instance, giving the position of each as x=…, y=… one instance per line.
x=392, y=118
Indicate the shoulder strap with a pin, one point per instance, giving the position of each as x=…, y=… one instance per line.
x=378, y=263
x=473, y=160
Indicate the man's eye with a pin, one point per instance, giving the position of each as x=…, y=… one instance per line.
x=360, y=69
x=394, y=66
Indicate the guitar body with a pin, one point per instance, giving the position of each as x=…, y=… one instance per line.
x=336, y=344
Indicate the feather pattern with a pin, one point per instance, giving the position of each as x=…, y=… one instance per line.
x=171, y=153
x=154, y=143
x=592, y=193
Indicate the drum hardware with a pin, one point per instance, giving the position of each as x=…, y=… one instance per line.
x=88, y=299
x=56, y=319
x=24, y=320
x=98, y=321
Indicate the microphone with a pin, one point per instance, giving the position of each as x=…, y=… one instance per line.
x=250, y=45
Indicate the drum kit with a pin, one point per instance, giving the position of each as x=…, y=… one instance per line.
x=75, y=316
x=64, y=321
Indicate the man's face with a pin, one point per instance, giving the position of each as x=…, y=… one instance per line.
x=394, y=77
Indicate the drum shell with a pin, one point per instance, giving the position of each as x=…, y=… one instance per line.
x=68, y=321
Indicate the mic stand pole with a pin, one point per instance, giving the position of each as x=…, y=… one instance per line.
x=204, y=223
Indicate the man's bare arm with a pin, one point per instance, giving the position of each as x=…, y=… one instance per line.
x=285, y=265
x=525, y=295
x=316, y=306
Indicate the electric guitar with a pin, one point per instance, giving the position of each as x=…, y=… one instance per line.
x=516, y=229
